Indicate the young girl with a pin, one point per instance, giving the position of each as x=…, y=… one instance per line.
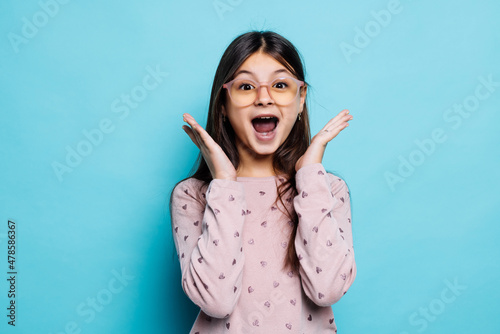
x=262, y=230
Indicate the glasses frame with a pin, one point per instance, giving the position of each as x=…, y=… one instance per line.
x=228, y=86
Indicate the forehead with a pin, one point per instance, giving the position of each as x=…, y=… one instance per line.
x=261, y=66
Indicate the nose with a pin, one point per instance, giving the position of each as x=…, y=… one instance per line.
x=263, y=96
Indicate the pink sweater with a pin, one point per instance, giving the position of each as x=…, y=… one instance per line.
x=231, y=242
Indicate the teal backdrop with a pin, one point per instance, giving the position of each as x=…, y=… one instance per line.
x=92, y=97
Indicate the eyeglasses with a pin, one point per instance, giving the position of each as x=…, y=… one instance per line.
x=244, y=92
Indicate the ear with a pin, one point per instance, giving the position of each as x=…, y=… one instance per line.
x=224, y=111
x=303, y=94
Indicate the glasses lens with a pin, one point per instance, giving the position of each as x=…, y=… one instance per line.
x=283, y=90
x=244, y=91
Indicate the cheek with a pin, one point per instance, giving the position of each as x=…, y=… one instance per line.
x=238, y=125
x=290, y=116
x=288, y=124
x=232, y=118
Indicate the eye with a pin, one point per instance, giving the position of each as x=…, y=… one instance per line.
x=245, y=86
x=280, y=85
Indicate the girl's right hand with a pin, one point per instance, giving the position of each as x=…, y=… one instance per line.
x=217, y=161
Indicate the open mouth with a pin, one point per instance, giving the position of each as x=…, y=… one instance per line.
x=265, y=124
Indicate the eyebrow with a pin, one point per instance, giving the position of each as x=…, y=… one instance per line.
x=251, y=73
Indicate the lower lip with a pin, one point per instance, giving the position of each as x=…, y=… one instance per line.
x=266, y=137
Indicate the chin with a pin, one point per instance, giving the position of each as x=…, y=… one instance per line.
x=263, y=153
x=262, y=150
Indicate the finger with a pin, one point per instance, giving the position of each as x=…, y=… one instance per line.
x=344, y=114
x=343, y=120
x=201, y=141
x=202, y=135
x=196, y=129
x=195, y=137
x=191, y=135
x=190, y=120
x=341, y=114
x=336, y=127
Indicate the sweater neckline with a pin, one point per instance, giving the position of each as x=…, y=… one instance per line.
x=259, y=179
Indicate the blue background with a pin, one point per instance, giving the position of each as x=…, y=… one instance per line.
x=437, y=225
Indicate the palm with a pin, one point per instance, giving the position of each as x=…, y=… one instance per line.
x=315, y=151
x=217, y=161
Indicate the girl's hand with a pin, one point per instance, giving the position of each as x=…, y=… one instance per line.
x=315, y=151
x=219, y=164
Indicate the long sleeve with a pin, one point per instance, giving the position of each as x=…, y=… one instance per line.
x=208, y=243
x=323, y=241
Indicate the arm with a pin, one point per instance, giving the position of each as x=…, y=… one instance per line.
x=207, y=243
x=324, y=236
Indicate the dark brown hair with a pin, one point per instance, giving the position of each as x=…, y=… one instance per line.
x=293, y=147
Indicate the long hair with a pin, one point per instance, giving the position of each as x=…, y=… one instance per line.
x=293, y=147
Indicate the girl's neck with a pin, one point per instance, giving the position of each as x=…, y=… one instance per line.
x=255, y=173
x=251, y=166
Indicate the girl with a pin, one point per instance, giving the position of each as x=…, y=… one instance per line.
x=262, y=231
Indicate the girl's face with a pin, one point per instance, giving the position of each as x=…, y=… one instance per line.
x=255, y=135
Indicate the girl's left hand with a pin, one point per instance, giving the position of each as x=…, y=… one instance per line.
x=315, y=151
